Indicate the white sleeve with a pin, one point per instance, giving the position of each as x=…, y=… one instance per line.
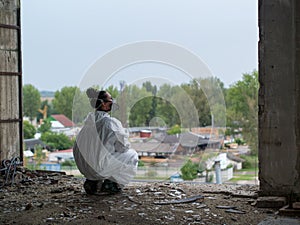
x=114, y=136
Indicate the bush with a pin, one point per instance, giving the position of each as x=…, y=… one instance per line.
x=68, y=163
x=141, y=163
x=57, y=141
x=189, y=170
x=250, y=161
x=239, y=141
x=174, y=130
x=45, y=127
x=29, y=130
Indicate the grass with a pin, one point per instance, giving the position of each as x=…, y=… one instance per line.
x=245, y=174
x=249, y=170
x=243, y=177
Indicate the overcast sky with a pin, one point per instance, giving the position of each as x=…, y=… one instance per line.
x=61, y=39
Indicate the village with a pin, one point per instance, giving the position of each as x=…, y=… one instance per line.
x=161, y=155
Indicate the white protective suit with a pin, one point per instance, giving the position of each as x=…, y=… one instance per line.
x=102, y=150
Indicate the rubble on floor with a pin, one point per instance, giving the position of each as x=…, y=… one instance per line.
x=37, y=197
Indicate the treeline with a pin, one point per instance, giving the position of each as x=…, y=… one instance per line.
x=201, y=102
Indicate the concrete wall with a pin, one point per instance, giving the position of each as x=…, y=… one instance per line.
x=10, y=80
x=279, y=97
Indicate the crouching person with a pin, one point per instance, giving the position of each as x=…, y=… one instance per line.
x=102, y=151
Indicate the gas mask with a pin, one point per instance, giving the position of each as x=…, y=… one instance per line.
x=114, y=106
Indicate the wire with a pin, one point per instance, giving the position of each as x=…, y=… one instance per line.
x=8, y=169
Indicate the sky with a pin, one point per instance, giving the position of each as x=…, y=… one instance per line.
x=63, y=39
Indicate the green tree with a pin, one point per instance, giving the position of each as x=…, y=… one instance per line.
x=31, y=101
x=139, y=114
x=63, y=101
x=174, y=130
x=81, y=106
x=138, y=105
x=189, y=170
x=57, y=141
x=166, y=108
x=242, y=108
x=39, y=156
x=167, y=112
x=207, y=96
x=29, y=130
x=45, y=126
x=194, y=91
x=113, y=91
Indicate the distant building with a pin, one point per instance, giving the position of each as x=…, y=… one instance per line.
x=61, y=155
x=32, y=144
x=62, y=124
x=61, y=121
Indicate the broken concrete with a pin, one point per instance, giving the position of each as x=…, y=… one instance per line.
x=271, y=202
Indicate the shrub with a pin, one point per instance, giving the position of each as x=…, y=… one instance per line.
x=68, y=163
x=141, y=163
x=57, y=141
x=239, y=141
x=29, y=130
x=189, y=170
x=250, y=161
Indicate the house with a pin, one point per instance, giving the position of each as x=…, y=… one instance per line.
x=61, y=155
x=61, y=121
x=32, y=143
x=236, y=161
x=154, y=148
x=136, y=131
x=191, y=142
x=62, y=124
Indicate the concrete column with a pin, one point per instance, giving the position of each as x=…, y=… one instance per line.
x=218, y=172
x=279, y=97
x=10, y=80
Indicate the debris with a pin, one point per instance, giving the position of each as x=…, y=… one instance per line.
x=235, y=211
x=65, y=201
x=180, y=201
x=225, y=207
x=28, y=206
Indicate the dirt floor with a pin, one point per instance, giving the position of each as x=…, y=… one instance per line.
x=55, y=198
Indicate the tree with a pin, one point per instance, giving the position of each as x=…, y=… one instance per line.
x=207, y=96
x=166, y=109
x=29, y=130
x=39, y=156
x=113, y=91
x=31, y=101
x=139, y=114
x=174, y=130
x=45, y=126
x=63, y=101
x=242, y=108
x=81, y=106
x=57, y=141
x=138, y=104
x=189, y=170
x=194, y=91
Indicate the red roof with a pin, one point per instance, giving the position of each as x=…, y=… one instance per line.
x=63, y=120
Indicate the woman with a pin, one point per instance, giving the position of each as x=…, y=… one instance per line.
x=102, y=151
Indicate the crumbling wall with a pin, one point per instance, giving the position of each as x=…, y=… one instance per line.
x=279, y=97
x=10, y=80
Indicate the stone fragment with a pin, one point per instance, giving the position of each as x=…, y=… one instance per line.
x=271, y=202
x=235, y=211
